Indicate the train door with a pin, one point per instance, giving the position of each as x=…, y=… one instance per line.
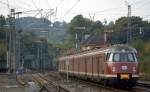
x=71, y=65
x=82, y=67
x=101, y=64
x=62, y=63
x=85, y=63
x=75, y=65
x=89, y=66
x=95, y=66
x=60, y=68
x=72, y=71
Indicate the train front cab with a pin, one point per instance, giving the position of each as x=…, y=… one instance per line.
x=122, y=69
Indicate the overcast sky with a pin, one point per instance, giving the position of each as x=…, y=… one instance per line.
x=67, y=9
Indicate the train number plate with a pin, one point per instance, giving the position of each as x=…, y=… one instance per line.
x=124, y=76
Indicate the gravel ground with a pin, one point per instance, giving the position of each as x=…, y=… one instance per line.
x=8, y=83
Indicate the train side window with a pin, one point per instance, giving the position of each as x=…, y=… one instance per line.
x=130, y=57
x=116, y=57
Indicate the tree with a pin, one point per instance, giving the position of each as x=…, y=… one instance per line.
x=2, y=21
x=111, y=25
x=80, y=21
x=96, y=26
x=27, y=39
x=76, y=22
x=122, y=22
x=3, y=46
x=138, y=28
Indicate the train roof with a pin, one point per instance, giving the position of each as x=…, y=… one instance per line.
x=121, y=48
x=111, y=49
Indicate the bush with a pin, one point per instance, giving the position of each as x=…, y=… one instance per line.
x=143, y=48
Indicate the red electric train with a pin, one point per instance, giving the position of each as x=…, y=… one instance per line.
x=114, y=65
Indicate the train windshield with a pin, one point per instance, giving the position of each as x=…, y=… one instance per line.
x=122, y=57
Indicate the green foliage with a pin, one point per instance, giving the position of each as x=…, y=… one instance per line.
x=3, y=47
x=2, y=21
x=122, y=22
x=80, y=21
x=28, y=38
x=143, y=48
x=58, y=33
x=139, y=30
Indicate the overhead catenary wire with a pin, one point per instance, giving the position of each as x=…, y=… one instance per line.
x=25, y=3
x=34, y=4
x=142, y=4
x=5, y=3
x=8, y=5
x=60, y=3
x=11, y=6
x=47, y=2
x=71, y=8
x=102, y=12
x=138, y=2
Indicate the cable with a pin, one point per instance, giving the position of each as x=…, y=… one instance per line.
x=60, y=3
x=24, y=3
x=11, y=5
x=138, y=2
x=142, y=5
x=34, y=4
x=96, y=12
x=105, y=10
x=8, y=5
x=5, y=4
x=47, y=2
x=70, y=9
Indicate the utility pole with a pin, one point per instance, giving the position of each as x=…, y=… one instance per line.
x=38, y=58
x=41, y=57
x=11, y=53
x=18, y=33
x=129, y=34
x=14, y=43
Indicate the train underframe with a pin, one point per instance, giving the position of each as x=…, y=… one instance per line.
x=109, y=81
x=117, y=82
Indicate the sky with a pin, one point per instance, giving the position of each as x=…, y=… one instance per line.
x=65, y=10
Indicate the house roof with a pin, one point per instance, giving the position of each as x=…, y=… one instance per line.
x=94, y=39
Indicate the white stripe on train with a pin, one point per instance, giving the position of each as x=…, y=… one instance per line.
x=95, y=74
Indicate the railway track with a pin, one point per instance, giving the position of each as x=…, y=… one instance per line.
x=145, y=84
x=48, y=85
x=95, y=87
x=102, y=86
x=142, y=86
x=53, y=83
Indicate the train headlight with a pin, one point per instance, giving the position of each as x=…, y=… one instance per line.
x=124, y=67
x=113, y=69
x=134, y=69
